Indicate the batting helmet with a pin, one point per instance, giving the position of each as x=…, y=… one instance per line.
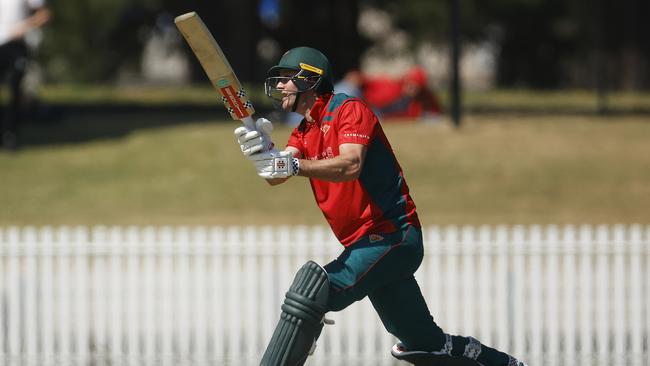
x=313, y=70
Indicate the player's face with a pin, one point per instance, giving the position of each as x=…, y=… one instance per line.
x=288, y=89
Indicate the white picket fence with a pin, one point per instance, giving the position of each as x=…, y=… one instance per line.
x=210, y=296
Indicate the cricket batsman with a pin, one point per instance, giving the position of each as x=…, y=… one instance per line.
x=359, y=185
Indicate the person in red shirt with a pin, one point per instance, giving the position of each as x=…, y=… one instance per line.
x=408, y=97
x=360, y=187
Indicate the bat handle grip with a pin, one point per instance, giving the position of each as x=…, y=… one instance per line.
x=249, y=123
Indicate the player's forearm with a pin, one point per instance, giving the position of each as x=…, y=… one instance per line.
x=36, y=20
x=39, y=18
x=338, y=169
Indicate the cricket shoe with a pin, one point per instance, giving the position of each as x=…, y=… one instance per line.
x=514, y=362
x=423, y=358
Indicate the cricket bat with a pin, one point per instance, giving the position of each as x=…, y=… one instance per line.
x=216, y=66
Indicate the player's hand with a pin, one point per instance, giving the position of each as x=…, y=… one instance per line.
x=255, y=141
x=275, y=164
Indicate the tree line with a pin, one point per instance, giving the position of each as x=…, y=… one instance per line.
x=541, y=43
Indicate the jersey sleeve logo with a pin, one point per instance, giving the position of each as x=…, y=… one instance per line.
x=325, y=128
x=357, y=135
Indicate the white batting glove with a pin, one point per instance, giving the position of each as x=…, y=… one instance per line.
x=275, y=164
x=254, y=141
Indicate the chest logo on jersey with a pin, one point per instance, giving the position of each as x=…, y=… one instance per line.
x=325, y=128
x=373, y=238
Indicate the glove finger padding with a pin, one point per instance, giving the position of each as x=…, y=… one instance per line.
x=254, y=141
x=246, y=135
x=241, y=130
x=264, y=125
x=254, y=144
x=250, y=141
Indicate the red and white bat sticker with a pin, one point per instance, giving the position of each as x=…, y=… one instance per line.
x=237, y=107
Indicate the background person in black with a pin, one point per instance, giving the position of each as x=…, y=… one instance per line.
x=17, y=19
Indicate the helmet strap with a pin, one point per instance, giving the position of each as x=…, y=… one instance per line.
x=296, y=101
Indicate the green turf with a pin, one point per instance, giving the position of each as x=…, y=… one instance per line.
x=128, y=169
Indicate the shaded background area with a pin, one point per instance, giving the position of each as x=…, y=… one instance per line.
x=121, y=126
x=531, y=45
x=539, y=44
x=94, y=53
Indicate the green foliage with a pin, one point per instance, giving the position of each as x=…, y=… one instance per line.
x=85, y=41
x=540, y=43
x=544, y=43
x=430, y=20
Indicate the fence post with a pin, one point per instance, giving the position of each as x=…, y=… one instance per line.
x=166, y=295
x=149, y=291
x=47, y=294
x=132, y=312
x=115, y=245
x=486, y=300
x=468, y=268
x=63, y=318
x=30, y=287
x=82, y=322
x=635, y=320
x=586, y=295
x=181, y=292
x=570, y=267
x=218, y=278
x=503, y=289
x=98, y=310
x=603, y=296
x=534, y=329
x=450, y=319
x=619, y=282
x=249, y=309
x=551, y=293
x=267, y=297
x=199, y=255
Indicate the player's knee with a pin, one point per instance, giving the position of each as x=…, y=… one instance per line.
x=307, y=297
x=302, y=318
x=339, y=300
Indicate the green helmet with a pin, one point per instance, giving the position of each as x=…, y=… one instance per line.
x=313, y=70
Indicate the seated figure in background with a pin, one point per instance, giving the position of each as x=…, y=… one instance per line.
x=406, y=97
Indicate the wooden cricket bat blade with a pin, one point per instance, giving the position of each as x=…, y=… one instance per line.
x=216, y=66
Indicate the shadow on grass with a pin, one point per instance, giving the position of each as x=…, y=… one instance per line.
x=63, y=123
x=66, y=123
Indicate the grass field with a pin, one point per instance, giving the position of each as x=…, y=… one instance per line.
x=165, y=169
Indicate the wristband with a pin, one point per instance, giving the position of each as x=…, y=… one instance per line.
x=295, y=164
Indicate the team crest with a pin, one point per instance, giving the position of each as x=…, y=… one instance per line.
x=325, y=128
x=375, y=238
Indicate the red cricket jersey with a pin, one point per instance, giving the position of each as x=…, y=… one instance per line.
x=378, y=201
